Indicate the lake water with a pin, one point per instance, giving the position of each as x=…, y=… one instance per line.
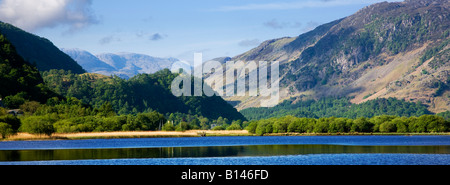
x=283, y=150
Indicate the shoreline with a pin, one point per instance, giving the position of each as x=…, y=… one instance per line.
x=125, y=134
x=191, y=133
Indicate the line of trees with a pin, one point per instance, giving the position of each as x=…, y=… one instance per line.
x=382, y=124
x=72, y=116
x=338, y=107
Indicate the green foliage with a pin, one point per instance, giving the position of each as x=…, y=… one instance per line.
x=142, y=93
x=14, y=102
x=221, y=127
x=332, y=107
x=168, y=127
x=433, y=51
x=263, y=127
x=11, y=120
x=383, y=124
x=5, y=130
x=39, y=125
x=30, y=107
x=183, y=126
x=19, y=80
x=234, y=126
x=251, y=128
x=445, y=115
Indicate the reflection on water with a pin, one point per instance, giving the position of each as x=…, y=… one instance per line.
x=211, y=151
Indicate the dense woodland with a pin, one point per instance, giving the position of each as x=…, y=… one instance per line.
x=377, y=124
x=338, y=107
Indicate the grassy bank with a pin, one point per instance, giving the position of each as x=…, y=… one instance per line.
x=191, y=133
x=135, y=134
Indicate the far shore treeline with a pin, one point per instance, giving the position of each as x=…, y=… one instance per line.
x=377, y=124
x=72, y=116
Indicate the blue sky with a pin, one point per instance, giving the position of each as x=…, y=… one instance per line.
x=172, y=28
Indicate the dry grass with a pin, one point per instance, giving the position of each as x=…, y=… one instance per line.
x=128, y=134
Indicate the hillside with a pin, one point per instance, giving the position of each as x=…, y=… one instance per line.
x=19, y=80
x=38, y=51
x=385, y=50
x=125, y=65
x=142, y=93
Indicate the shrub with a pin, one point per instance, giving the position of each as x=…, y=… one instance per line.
x=221, y=127
x=168, y=127
x=183, y=126
x=234, y=126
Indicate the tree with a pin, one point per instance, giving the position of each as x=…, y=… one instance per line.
x=251, y=128
x=5, y=130
x=378, y=120
x=15, y=101
x=321, y=126
x=30, y=107
x=388, y=127
x=183, y=126
x=38, y=125
x=150, y=121
x=168, y=127
x=194, y=123
x=361, y=125
x=417, y=125
x=11, y=120
x=401, y=124
x=106, y=110
x=221, y=127
x=337, y=125
x=445, y=115
x=234, y=126
x=434, y=123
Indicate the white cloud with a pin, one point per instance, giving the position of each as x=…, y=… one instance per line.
x=35, y=14
x=249, y=43
x=109, y=39
x=311, y=25
x=275, y=24
x=156, y=37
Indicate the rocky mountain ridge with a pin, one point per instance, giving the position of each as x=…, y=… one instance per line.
x=397, y=49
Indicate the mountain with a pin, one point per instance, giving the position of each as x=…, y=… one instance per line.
x=398, y=49
x=87, y=60
x=125, y=65
x=19, y=80
x=39, y=51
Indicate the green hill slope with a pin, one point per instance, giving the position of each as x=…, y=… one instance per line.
x=142, y=93
x=38, y=50
x=18, y=77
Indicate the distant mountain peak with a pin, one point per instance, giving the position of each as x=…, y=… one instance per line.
x=123, y=64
